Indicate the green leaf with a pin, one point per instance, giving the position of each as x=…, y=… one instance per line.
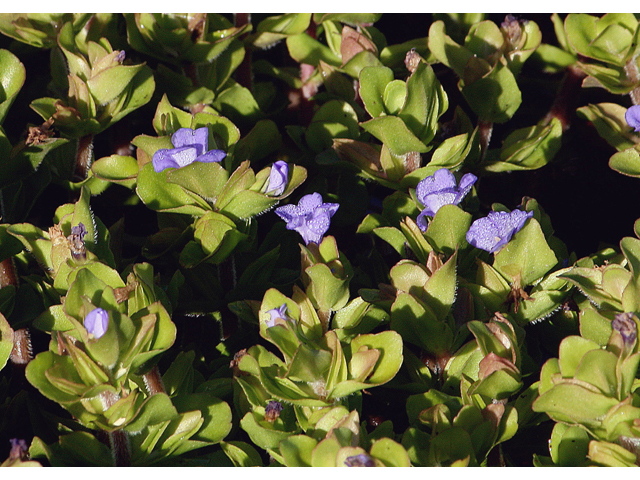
x=168, y=119
x=242, y=454
x=12, y=77
x=447, y=231
x=418, y=325
x=373, y=82
x=426, y=102
x=117, y=169
x=626, y=162
x=395, y=134
x=304, y=49
x=495, y=97
x=273, y=29
x=526, y=256
x=574, y=404
x=608, y=118
x=6, y=341
x=297, y=449
x=528, y=148
x=154, y=190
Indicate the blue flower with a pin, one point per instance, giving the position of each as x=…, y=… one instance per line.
x=494, y=231
x=441, y=189
x=310, y=218
x=361, y=460
x=189, y=146
x=96, y=322
x=276, y=314
x=278, y=179
x=632, y=116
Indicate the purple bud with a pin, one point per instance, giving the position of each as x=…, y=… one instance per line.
x=361, y=460
x=272, y=411
x=626, y=325
x=310, y=218
x=276, y=314
x=19, y=449
x=76, y=241
x=632, y=116
x=278, y=178
x=494, y=231
x=96, y=322
x=441, y=189
x=121, y=56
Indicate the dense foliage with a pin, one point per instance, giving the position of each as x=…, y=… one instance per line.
x=319, y=240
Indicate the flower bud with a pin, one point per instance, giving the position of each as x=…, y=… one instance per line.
x=278, y=179
x=272, y=411
x=361, y=460
x=96, y=322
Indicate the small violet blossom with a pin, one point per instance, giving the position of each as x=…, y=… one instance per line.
x=272, y=411
x=361, y=460
x=189, y=146
x=96, y=322
x=494, y=231
x=440, y=189
x=279, y=313
x=278, y=179
x=310, y=218
x=19, y=449
x=626, y=325
x=632, y=116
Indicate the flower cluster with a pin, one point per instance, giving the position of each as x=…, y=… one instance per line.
x=189, y=146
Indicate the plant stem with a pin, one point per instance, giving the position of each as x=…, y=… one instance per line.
x=631, y=69
x=84, y=157
x=244, y=75
x=120, y=448
x=153, y=381
x=564, y=105
x=485, y=129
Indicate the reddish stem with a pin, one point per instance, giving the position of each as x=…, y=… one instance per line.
x=566, y=101
x=244, y=74
x=84, y=157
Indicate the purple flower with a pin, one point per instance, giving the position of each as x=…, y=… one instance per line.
x=19, y=449
x=190, y=146
x=278, y=178
x=76, y=241
x=310, y=218
x=272, y=411
x=96, y=322
x=494, y=231
x=632, y=116
x=277, y=314
x=361, y=460
x=626, y=325
x=440, y=189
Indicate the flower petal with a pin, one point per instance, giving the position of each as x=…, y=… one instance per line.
x=632, y=116
x=162, y=159
x=442, y=179
x=198, y=138
x=494, y=231
x=212, y=156
x=278, y=178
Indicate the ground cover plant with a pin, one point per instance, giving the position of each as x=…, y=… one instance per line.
x=347, y=240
